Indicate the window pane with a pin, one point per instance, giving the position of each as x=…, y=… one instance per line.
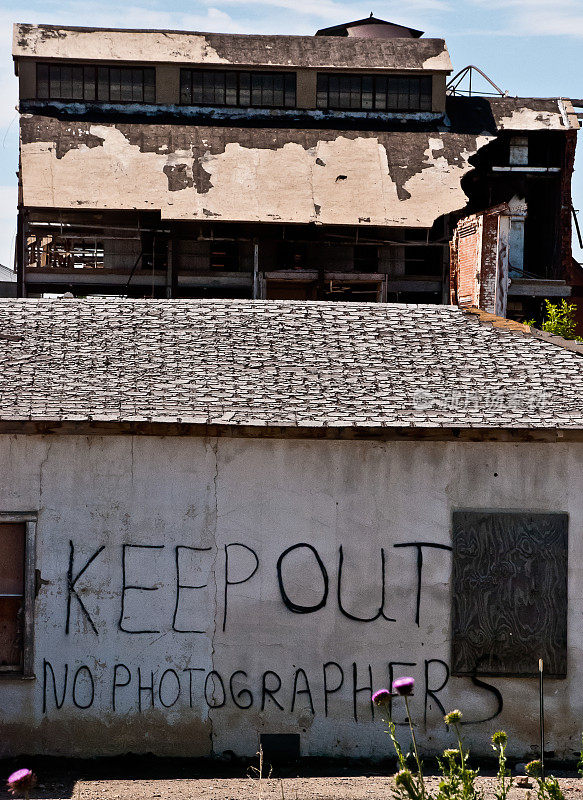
x=66, y=83
x=231, y=89
x=290, y=90
x=256, y=89
x=196, y=96
x=367, y=92
x=334, y=91
x=42, y=81
x=55, y=81
x=344, y=95
x=125, y=78
x=12, y=537
x=267, y=89
x=185, y=86
x=149, y=84
x=114, y=84
x=11, y=626
x=89, y=83
x=426, y=91
x=380, y=95
x=403, y=94
x=355, y=88
x=137, y=85
x=278, y=90
x=322, y=91
x=77, y=83
x=393, y=94
x=244, y=89
x=103, y=84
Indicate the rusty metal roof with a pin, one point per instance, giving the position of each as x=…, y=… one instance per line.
x=275, y=363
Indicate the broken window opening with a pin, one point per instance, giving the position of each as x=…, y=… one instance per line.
x=224, y=257
x=366, y=258
x=425, y=259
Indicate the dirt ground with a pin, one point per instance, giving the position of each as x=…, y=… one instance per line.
x=189, y=782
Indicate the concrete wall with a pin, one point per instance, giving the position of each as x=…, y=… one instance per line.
x=242, y=504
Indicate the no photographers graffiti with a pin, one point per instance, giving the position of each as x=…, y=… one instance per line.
x=192, y=592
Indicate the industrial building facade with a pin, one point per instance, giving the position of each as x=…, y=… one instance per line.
x=173, y=164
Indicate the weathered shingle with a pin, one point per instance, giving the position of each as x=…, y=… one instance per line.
x=306, y=364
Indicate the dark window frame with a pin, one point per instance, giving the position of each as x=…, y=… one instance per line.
x=236, y=88
x=342, y=91
x=93, y=83
x=26, y=668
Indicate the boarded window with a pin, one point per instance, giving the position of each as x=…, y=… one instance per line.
x=374, y=92
x=12, y=595
x=509, y=593
x=88, y=83
x=208, y=87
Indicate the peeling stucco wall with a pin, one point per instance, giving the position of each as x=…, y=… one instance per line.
x=233, y=507
x=189, y=172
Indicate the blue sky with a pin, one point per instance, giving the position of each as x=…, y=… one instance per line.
x=528, y=47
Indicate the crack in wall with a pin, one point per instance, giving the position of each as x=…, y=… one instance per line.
x=214, y=446
x=42, y=466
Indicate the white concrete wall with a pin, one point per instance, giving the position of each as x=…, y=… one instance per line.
x=266, y=495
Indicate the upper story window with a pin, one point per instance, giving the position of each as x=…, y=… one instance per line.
x=90, y=83
x=207, y=87
x=374, y=92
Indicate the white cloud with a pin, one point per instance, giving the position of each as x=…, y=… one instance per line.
x=536, y=17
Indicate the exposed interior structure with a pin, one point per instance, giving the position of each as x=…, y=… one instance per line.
x=174, y=164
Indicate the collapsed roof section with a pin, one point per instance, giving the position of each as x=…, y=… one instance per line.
x=102, y=44
x=196, y=172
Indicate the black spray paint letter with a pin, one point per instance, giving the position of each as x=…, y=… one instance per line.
x=71, y=581
x=229, y=582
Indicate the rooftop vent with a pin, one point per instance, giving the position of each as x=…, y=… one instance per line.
x=371, y=28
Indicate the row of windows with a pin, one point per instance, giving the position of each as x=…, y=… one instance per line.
x=105, y=84
x=374, y=92
x=230, y=88
x=233, y=88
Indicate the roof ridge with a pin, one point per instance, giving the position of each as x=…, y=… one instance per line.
x=520, y=327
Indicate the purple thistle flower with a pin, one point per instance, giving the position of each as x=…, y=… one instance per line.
x=21, y=781
x=381, y=697
x=403, y=686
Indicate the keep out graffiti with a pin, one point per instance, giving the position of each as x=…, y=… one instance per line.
x=231, y=551
x=330, y=688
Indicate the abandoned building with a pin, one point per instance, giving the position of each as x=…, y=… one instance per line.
x=230, y=520
x=170, y=164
